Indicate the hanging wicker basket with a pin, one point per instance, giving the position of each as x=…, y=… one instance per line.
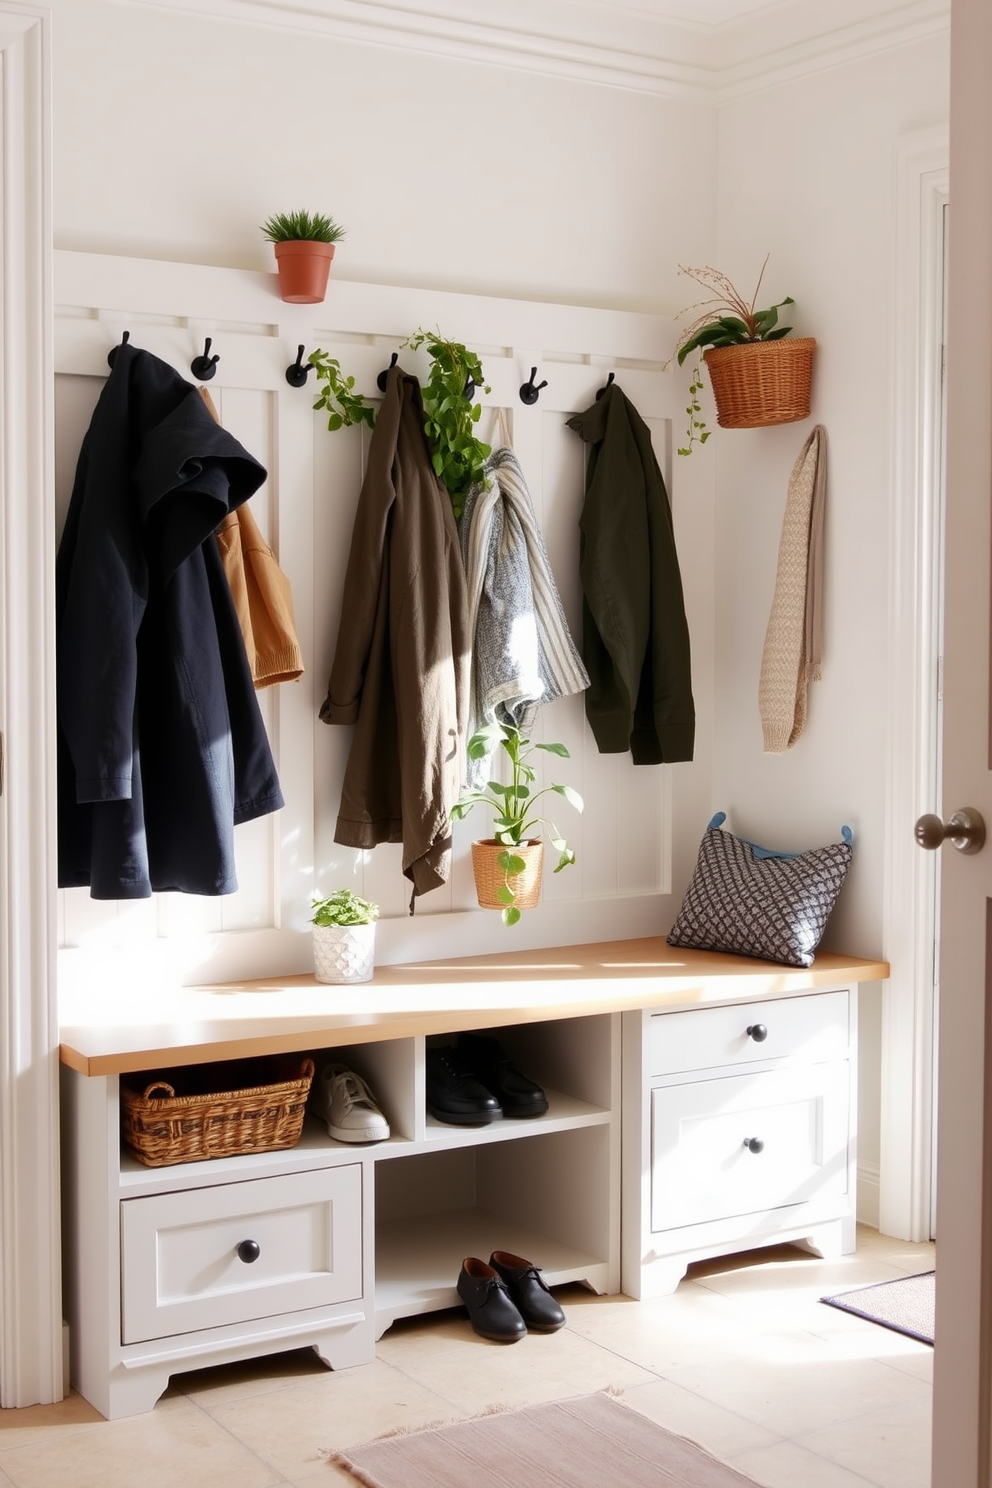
x=761, y=382
x=490, y=877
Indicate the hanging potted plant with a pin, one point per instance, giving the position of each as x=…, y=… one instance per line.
x=343, y=937
x=508, y=865
x=304, y=246
x=759, y=377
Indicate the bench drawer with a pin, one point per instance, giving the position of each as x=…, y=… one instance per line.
x=810, y=1028
x=206, y=1257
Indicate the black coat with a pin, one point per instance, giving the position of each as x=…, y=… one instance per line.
x=635, y=640
x=161, y=746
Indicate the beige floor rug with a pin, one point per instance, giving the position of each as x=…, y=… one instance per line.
x=591, y=1441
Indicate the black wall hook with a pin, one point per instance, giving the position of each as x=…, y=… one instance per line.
x=380, y=381
x=113, y=350
x=469, y=392
x=204, y=366
x=603, y=389
x=531, y=390
x=296, y=375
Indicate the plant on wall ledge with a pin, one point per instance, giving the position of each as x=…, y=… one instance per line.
x=756, y=381
x=450, y=414
x=337, y=396
x=304, y=246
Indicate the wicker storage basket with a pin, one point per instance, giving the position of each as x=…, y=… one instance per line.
x=214, y=1110
x=490, y=877
x=761, y=382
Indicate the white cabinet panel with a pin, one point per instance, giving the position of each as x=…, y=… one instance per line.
x=748, y=1143
x=300, y=1239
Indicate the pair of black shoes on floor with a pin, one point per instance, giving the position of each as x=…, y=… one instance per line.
x=507, y=1297
x=473, y=1083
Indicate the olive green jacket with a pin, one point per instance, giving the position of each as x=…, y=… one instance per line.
x=635, y=639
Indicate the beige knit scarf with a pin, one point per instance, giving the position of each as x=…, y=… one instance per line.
x=794, y=638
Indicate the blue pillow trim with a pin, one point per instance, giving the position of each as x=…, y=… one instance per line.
x=769, y=852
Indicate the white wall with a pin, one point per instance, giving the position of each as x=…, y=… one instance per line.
x=807, y=171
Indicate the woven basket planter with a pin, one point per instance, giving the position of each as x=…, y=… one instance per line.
x=203, y=1111
x=761, y=382
x=490, y=877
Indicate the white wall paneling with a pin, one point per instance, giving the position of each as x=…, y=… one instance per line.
x=306, y=509
x=30, y=1312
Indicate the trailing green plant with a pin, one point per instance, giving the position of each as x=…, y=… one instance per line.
x=514, y=817
x=725, y=319
x=337, y=396
x=296, y=227
x=697, y=432
x=343, y=907
x=450, y=415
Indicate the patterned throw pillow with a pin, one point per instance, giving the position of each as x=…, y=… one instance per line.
x=756, y=902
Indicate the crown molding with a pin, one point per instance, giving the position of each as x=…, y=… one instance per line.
x=648, y=48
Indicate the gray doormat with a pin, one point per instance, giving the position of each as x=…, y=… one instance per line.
x=905, y=1305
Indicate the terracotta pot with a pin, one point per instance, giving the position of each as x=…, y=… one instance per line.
x=490, y=877
x=761, y=382
x=303, y=269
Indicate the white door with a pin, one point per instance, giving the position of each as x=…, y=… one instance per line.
x=963, y=1354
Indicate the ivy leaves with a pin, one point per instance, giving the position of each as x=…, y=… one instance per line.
x=337, y=396
x=450, y=415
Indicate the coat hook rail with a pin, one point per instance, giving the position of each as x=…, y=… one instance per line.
x=531, y=390
x=125, y=338
x=296, y=375
x=380, y=381
x=204, y=366
x=606, y=385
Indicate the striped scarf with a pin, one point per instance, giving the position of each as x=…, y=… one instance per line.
x=522, y=652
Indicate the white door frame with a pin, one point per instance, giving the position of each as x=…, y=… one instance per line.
x=910, y=929
x=30, y=1287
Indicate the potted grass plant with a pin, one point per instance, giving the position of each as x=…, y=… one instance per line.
x=304, y=246
x=508, y=865
x=343, y=936
x=758, y=376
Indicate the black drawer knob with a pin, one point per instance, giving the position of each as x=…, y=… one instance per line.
x=248, y=1251
x=758, y=1032
x=754, y=1144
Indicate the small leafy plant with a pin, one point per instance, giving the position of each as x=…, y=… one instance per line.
x=337, y=396
x=725, y=319
x=450, y=415
x=512, y=805
x=295, y=227
x=343, y=907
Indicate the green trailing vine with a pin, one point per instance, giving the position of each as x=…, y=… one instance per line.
x=697, y=432
x=337, y=396
x=450, y=415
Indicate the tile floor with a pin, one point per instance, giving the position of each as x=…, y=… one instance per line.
x=743, y=1359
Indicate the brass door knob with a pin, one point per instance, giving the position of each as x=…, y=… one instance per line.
x=965, y=831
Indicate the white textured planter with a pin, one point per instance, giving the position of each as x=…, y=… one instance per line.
x=343, y=953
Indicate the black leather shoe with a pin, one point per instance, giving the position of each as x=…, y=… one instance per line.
x=454, y=1095
x=517, y=1095
x=528, y=1290
x=491, y=1312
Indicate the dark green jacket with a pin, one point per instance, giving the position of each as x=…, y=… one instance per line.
x=635, y=640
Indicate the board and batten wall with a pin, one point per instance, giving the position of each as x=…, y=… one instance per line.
x=622, y=880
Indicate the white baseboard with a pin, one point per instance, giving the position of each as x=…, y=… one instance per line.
x=868, y=1195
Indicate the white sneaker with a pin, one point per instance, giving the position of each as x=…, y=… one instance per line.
x=344, y=1101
